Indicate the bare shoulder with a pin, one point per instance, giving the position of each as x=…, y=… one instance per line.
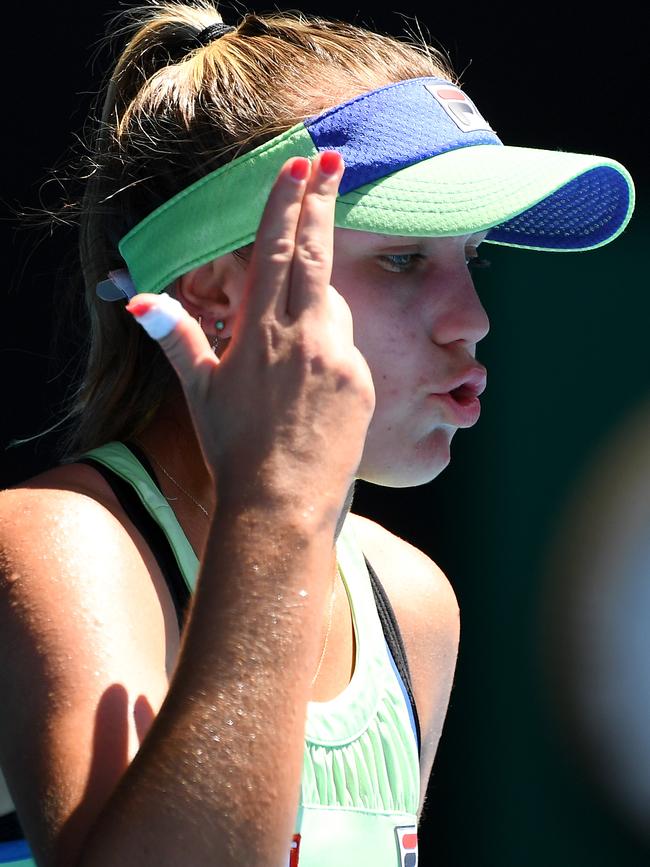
x=62, y=494
x=73, y=478
x=416, y=584
x=53, y=514
x=57, y=525
x=65, y=542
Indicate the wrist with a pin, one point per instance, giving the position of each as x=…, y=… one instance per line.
x=301, y=504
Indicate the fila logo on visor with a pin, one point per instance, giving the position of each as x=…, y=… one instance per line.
x=459, y=107
x=407, y=841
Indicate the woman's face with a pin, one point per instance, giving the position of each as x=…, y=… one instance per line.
x=417, y=320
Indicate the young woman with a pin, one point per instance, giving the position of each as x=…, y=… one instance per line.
x=294, y=203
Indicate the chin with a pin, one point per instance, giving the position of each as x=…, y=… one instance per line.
x=426, y=463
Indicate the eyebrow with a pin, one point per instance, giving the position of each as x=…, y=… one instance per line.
x=403, y=241
x=410, y=244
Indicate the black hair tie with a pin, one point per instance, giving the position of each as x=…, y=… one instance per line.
x=212, y=32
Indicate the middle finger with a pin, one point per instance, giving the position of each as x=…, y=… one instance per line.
x=312, y=260
x=269, y=272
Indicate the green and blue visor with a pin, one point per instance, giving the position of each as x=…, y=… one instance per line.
x=420, y=161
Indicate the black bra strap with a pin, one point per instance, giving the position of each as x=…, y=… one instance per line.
x=393, y=637
x=149, y=528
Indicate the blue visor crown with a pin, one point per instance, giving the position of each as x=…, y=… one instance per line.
x=380, y=132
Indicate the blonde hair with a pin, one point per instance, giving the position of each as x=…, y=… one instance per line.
x=173, y=111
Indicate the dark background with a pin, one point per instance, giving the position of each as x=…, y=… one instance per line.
x=568, y=362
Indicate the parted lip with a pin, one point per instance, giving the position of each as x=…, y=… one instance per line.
x=469, y=383
x=460, y=396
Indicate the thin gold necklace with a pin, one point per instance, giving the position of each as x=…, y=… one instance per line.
x=329, y=627
x=172, y=479
x=207, y=515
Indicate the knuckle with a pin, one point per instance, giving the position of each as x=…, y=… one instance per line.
x=349, y=369
x=313, y=252
x=348, y=372
x=269, y=337
x=279, y=251
x=303, y=344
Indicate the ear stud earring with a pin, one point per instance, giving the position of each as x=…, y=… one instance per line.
x=219, y=326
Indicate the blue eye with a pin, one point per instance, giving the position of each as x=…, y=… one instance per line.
x=401, y=262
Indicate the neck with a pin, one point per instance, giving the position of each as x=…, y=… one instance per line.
x=170, y=440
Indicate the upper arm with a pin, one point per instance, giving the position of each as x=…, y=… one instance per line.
x=429, y=620
x=82, y=660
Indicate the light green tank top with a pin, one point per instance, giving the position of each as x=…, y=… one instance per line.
x=360, y=786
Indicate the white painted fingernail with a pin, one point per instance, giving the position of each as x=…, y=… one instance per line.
x=162, y=318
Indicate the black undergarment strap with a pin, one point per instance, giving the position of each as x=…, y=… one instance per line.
x=393, y=637
x=149, y=528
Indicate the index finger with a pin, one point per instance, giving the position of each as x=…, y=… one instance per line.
x=269, y=271
x=312, y=263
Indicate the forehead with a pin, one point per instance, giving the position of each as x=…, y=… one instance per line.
x=354, y=237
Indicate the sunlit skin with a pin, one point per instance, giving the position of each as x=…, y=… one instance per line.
x=417, y=320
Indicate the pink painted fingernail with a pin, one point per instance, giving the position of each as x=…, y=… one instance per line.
x=138, y=307
x=330, y=162
x=299, y=168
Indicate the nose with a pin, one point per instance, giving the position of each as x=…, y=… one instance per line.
x=459, y=314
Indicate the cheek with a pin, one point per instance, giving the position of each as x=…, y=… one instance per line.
x=395, y=353
x=382, y=332
x=387, y=332
x=387, y=357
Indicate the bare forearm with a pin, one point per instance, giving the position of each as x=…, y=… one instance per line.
x=217, y=779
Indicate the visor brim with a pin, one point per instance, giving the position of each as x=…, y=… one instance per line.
x=537, y=199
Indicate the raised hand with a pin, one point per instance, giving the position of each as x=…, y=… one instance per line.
x=289, y=405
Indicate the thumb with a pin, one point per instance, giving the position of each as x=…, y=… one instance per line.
x=180, y=336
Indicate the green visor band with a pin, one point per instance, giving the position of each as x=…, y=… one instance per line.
x=420, y=161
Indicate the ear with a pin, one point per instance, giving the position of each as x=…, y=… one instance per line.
x=214, y=291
